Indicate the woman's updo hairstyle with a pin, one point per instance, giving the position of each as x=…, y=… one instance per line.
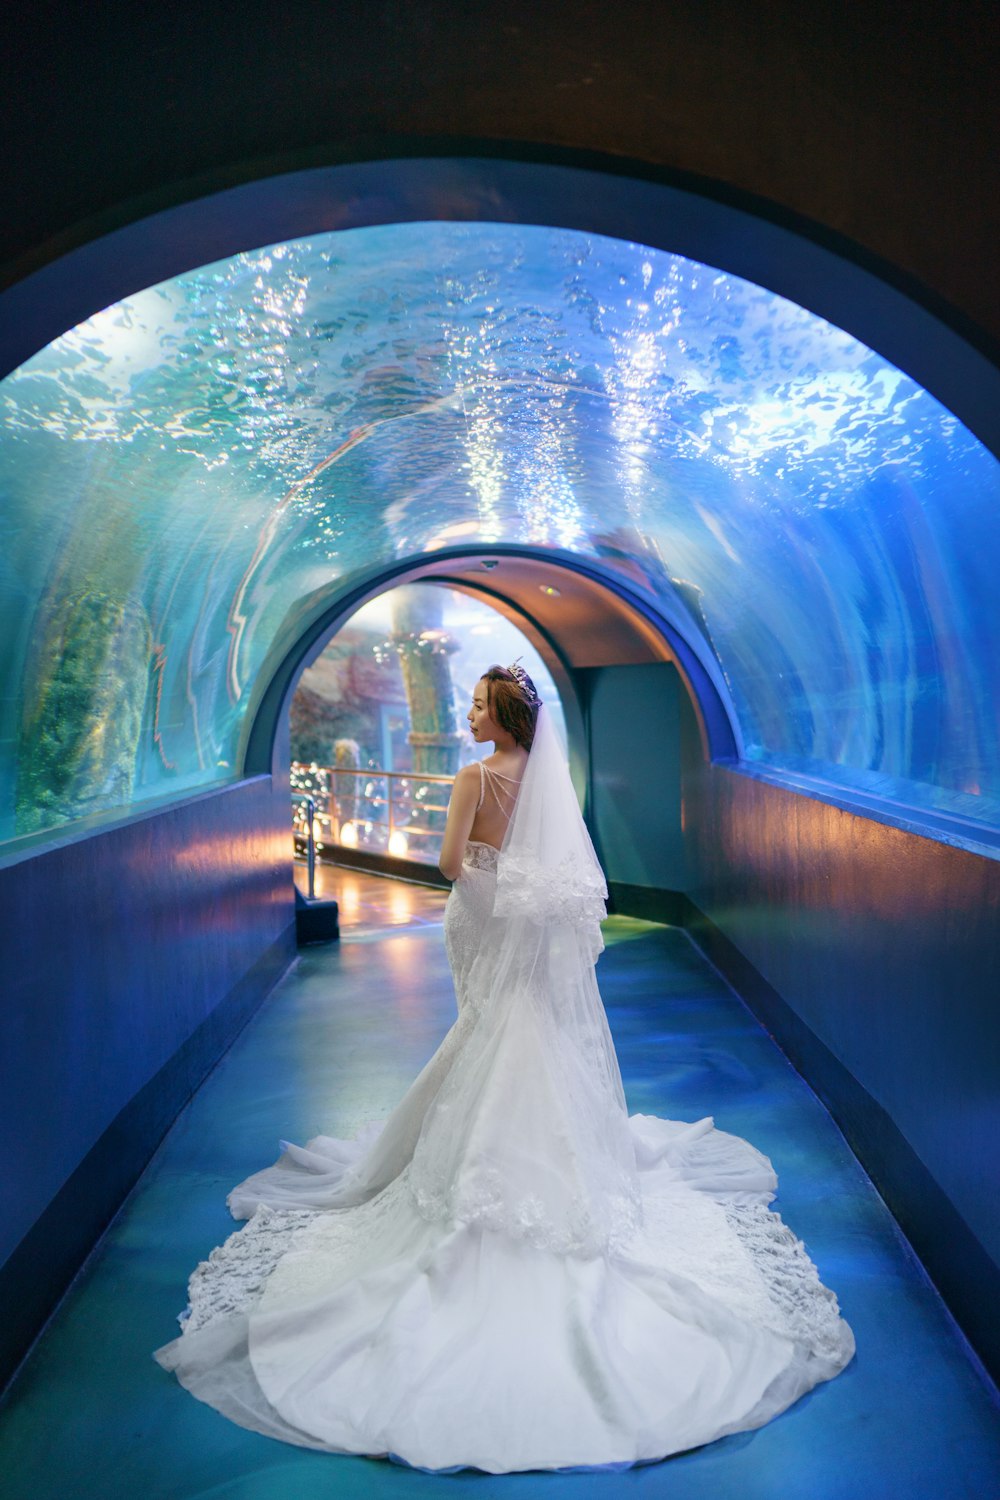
x=513, y=702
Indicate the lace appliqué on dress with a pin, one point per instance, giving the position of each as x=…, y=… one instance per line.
x=233, y=1278
x=746, y=1258
x=480, y=856
x=761, y=1272
x=800, y=1306
x=572, y=892
x=489, y=1204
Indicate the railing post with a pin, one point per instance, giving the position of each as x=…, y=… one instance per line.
x=311, y=847
x=389, y=775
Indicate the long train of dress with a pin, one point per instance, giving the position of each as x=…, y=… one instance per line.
x=510, y=1273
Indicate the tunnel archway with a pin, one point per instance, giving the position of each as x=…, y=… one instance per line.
x=777, y=876
x=594, y=619
x=624, y=728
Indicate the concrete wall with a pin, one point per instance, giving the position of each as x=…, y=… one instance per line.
x=129, y=959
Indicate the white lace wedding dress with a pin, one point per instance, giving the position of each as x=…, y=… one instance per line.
x=510, y=1273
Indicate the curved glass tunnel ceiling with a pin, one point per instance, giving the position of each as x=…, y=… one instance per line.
x=184, y=469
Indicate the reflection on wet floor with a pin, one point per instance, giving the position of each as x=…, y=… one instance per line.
x=370, y=903
x=335, y=1046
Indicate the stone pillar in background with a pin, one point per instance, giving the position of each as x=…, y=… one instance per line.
x=424, y=648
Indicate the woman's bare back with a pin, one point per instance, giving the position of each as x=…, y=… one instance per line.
x=498, y=794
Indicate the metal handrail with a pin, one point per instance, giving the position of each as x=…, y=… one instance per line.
x=373, y=773
x=390, y=801
x=310, y=803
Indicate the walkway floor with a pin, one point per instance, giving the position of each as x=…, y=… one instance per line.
x=92, y=1415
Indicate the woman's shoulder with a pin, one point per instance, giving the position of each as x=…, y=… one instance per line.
x=469, y=775
x=510, y=767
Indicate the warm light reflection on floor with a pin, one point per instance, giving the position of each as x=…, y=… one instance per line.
x=370, y=903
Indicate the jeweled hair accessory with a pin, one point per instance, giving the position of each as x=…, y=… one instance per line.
x=525, y=683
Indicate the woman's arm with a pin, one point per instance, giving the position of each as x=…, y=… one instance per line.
x=461, y=814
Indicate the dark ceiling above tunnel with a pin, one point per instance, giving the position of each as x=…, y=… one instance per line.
x=874, y=125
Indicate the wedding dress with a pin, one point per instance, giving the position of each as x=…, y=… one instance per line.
x=510, y=1273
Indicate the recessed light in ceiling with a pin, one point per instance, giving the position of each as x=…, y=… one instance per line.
x=550, y=590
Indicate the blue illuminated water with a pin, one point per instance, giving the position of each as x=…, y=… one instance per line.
x=184, y=469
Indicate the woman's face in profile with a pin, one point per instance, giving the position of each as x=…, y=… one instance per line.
x=482, y=726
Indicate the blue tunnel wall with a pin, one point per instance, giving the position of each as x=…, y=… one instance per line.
x=869, y=952
x=825, y=544
x=130, y=958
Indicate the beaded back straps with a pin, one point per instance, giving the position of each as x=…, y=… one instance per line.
x=486, y=778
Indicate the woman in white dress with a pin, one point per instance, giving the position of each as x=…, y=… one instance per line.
x=510, y=1273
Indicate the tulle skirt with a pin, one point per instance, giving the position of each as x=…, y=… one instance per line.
x=464, y=1286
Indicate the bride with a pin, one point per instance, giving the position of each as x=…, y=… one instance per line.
x=510, y=1273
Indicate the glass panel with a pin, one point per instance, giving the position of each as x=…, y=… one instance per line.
x=180, y=470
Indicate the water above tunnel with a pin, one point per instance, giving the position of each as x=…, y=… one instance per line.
x=188, y=467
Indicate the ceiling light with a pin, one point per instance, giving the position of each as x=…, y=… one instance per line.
x=550, y=590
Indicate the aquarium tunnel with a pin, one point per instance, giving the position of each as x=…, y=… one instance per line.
x=759, y=561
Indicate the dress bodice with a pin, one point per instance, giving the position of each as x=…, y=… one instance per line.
x=479, y=856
